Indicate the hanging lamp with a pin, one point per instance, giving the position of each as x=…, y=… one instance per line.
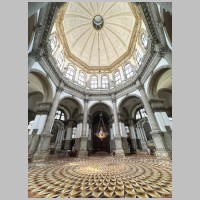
x=101, y=131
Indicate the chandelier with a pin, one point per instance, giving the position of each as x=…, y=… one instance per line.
x=101, y=131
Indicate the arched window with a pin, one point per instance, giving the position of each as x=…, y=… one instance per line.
x=128, y=70
x=138, y=57
x=70, y=72
x=117, y=77
x=60, y=115
x=94, y=82
x=141, y=113
x=144, y=40
x=104, y=82
x=60, y=59
x=53, y=42
x=81, y=78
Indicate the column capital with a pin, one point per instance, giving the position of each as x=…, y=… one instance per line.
x=79, y=118
x=43, y=108
x=86, y=98
x=59, y=89
x=113, y=97
x=161, y=49
x=38, y=27
x=130, y=122
x=157, y=105
x=70, y=123
x=36, y=54
x=139, y=85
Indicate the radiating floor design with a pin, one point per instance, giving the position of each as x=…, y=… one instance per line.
x=129, y=177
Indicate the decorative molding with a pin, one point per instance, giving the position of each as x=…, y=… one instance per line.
x=127, y=55
x=43, y=108
x=59, y=88
x=46, y=60
x=157, y=105
x=161, y=49
x=139, y=85
x=36, y=54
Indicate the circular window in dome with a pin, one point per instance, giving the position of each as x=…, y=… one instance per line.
x=98, y=22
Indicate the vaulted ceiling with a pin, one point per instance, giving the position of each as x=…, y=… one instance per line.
x=103, y=48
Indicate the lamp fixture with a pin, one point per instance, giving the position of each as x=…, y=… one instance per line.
x=101, y=130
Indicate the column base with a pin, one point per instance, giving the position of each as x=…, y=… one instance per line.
x=67, y=144
x=163, y=153
x=125, y=145
x=82, y=154
x=40, y=156
x=119, y=153
x=42, y=152
x=119, y=149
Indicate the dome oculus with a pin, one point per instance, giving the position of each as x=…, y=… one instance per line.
x=97, y=22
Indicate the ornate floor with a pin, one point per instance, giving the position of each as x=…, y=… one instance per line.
x=140, y=176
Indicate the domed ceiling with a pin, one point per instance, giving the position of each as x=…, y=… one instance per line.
x=98, y=35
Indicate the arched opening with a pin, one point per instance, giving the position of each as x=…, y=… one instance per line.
x=71, y=113
x=137, y=128
x=95, y=145
x=98, y=144
x=160, y=87
x=39, y=90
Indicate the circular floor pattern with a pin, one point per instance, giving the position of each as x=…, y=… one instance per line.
x=100, y=178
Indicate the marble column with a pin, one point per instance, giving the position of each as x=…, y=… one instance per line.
x=68, y=137
x=37, y=127
x=118, y=141
x=59, y=138
x=78, y=136
x=83, y=140
x=112, y=139
x=124, y=138
x=90, y=146
x=43, y=147
x=33, y=7
x=156, y=132
x=163, y=120
x=133, y=135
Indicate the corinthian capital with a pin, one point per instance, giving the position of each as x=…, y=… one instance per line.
x=161, y=49
x=37, y=54
x=139, y=85
x=43, y=108
x=157, y=105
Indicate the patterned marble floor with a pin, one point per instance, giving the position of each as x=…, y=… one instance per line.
x=140, y=176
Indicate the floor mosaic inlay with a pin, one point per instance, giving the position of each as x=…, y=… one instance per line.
x=101, y=177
